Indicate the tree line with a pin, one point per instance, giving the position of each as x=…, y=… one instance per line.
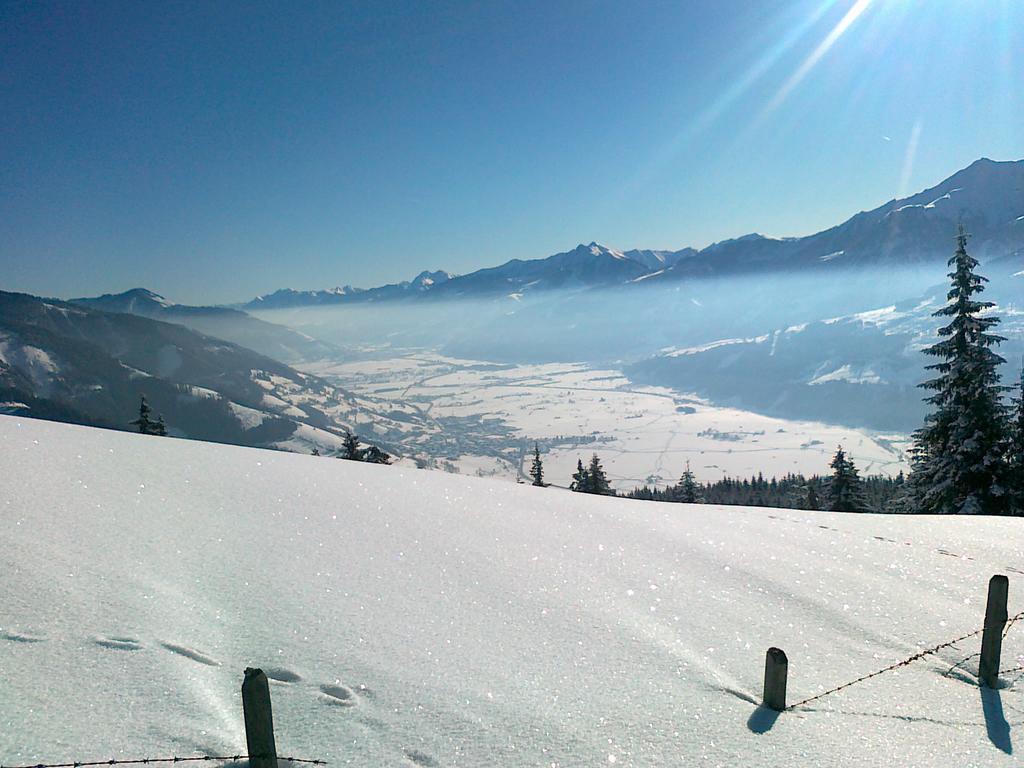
x=843, y=490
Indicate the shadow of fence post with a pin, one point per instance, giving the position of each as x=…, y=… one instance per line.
x=773, y=699
x=996, y=727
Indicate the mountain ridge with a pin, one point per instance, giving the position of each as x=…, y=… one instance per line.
x=987, y=194
x=270, y=339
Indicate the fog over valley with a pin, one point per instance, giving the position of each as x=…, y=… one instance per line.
x=751, y=355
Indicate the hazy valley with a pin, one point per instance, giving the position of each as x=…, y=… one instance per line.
x=749, y=356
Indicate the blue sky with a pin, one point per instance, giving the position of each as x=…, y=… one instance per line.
x=214, y=151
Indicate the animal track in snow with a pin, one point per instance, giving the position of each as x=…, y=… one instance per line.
x=337, y=695
x=117, y=643
x=21, y=637
x=282, y=675
x=190, y=653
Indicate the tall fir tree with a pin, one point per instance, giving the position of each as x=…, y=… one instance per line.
x=537, y=467
x=580, y=481
x=845, y=491
x=597, y=479
x=687, y=491
x=958, y=458
x=143, y=423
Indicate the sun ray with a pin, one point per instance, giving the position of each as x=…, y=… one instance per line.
x=809, y=63
x=728, y=97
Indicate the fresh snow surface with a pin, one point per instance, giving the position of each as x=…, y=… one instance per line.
x=415, y=618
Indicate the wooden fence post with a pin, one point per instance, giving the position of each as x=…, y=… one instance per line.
x=259, y=720
x=776, y=669
x=992, y=637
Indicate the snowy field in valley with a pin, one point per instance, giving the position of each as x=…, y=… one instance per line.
x=643, y=434
x=415, y=618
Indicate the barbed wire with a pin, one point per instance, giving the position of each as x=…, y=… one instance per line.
x=968, y=657
x=147, y=760
x=954, y=667
x=905, y=662
x=1010, y=623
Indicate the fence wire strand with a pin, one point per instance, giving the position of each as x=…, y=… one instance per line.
x=905, y=662
x=147, y=760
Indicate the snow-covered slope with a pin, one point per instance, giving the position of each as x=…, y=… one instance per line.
x=69, y=362
x=424, y=619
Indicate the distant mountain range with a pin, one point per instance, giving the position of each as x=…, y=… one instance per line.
x=269, y=339
x=72, y=362
x=287, y=297
x=988, y=196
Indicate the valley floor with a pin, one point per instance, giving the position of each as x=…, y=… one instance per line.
x=417, y=618
x=488, y=415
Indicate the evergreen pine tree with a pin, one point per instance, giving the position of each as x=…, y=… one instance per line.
x=845, y=491
x=958, y=462
x=160, y=428
x=350, y=447
x=537, y=468
x=687, y=491
x=144, y=424
x=580, y=482
x=597, y=480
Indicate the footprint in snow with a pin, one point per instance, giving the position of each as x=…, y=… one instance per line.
x=282, y=675
x=21, y=637
x=117, y=643
x=190, y=653
x=338, y=695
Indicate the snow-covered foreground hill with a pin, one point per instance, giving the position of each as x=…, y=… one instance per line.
x=419, y=618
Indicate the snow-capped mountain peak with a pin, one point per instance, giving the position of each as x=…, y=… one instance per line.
x=427, y=279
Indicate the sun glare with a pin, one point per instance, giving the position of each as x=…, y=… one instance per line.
x=809, y=63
